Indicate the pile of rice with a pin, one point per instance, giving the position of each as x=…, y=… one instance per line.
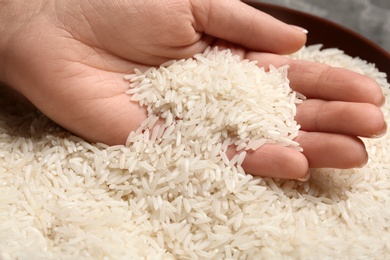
x=172, y=193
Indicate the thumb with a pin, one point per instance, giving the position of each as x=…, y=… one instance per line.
x=239, y=23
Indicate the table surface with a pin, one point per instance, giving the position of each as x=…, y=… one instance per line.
x=370, y=18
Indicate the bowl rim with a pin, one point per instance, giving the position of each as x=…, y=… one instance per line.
x=258, y=4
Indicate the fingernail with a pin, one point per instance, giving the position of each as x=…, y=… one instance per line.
x=364, y=164
x=300, y=29
x=381, y=133
x=307, y=177
x=383, y=101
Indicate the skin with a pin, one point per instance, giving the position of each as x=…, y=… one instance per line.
x=69, y=57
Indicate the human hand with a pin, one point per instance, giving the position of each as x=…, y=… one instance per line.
x=341, y=106
x=69, y=57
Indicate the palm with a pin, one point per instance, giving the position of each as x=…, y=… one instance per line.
x=82, y=87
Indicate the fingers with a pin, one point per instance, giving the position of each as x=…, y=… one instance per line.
x=274, y=161
x=356, y=119
x=324, y=150
x=320, y=150
x=341, y=105
x=320, y=81
x=316, y=80
x=242, y=24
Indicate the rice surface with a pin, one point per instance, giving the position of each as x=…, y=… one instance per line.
x=172, y=193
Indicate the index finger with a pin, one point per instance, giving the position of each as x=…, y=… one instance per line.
x=321, y=81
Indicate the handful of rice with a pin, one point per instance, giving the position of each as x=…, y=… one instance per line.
x=213, y=101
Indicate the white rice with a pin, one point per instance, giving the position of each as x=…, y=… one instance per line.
x=172, y=193
x=216, y=96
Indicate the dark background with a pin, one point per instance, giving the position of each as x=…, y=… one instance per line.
x=370, y=18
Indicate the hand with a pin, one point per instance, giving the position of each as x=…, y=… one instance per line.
x=69, y=57
x=341, y=106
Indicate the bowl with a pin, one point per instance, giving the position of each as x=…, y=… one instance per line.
x=330, y=34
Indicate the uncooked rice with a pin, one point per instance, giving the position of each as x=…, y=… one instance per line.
x=172, y=193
